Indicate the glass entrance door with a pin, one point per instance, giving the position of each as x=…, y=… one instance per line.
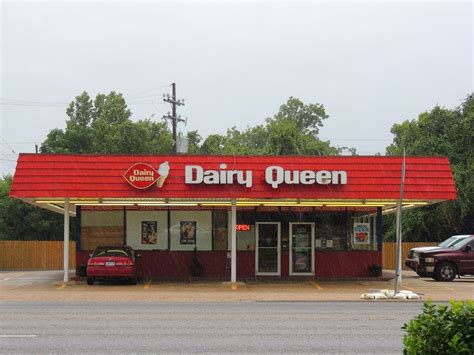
x=301, y=248
x=267, y=251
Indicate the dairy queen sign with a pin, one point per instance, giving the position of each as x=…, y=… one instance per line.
x=142, y=176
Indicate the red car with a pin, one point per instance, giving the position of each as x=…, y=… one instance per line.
x=112, y=263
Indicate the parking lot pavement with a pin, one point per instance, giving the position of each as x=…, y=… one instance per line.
x=48, y=286
x=16, y=279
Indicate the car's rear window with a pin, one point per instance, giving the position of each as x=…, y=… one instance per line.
x=111, y=252
x=461, y=243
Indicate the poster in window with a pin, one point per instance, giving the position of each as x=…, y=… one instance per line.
x=149, y=232
x=361, y=233
x=187, y=232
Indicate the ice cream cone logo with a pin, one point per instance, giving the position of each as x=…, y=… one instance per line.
x=142, y=175
x=163, y=171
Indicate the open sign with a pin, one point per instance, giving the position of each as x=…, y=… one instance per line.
x=243, y=227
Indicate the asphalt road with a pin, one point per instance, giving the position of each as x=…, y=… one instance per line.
x=164, y=327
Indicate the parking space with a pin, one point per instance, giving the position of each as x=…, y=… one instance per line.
x=48, y=286
x=22, y=279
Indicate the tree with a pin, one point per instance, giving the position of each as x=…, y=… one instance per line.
x=193, y=142
x=213, y=144
x=308, y=118
x=291, y=131
x=104, y=126
x=445, y=132
x=19, y=220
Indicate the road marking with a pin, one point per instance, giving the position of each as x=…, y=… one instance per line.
x=445, y=287
x=147, y=285
x=12, y=277
x=18, y=336
x=315, y=285
x=61, y=287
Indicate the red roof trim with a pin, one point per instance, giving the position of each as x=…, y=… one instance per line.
x=97, y=175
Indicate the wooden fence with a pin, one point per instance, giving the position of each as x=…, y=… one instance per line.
x=34, y=255
x=48, y=255
x=389, y=252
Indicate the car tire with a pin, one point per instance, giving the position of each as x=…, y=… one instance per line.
x=445, y=271
x=90, y=280
x=134, y=280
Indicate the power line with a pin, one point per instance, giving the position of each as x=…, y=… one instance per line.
x=157, y=108
x=11, y=163
x=18, y=143
x=30, y=105
x=359, y=140
x=4, y=100
x=32, y=101
x=9, y=146
x=63, y=105
x=154, y=89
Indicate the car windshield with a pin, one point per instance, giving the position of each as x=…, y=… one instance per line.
x=111, y=252
x=450, y=241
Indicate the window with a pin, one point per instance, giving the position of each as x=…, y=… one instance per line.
x=137, y=221
x=246, y=236
x=331, y=230
x=99, y=228
x=220, y=230
x=363, y=232
x=191, y=229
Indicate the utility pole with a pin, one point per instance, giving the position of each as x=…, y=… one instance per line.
x=173, y=117
x=398, y=262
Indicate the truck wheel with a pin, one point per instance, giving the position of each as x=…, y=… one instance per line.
x=445, y=271
x=90, y=280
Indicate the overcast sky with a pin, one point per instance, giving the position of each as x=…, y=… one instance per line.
x=371, y=64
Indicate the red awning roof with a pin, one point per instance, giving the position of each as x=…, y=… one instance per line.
x=101, y=176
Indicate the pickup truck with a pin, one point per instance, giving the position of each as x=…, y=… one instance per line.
x=445, y=263
x=413, y=263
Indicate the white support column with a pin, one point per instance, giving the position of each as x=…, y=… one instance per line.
x=233, y=249
x=66, y=239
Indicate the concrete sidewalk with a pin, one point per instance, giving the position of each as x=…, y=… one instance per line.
x=48, y=286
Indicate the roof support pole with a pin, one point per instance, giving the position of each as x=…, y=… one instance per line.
x=66, y=239
x=233, y=248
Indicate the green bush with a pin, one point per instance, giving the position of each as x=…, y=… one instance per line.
x=441, y=330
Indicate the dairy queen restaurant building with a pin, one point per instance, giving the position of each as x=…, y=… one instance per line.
x=241, y=217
